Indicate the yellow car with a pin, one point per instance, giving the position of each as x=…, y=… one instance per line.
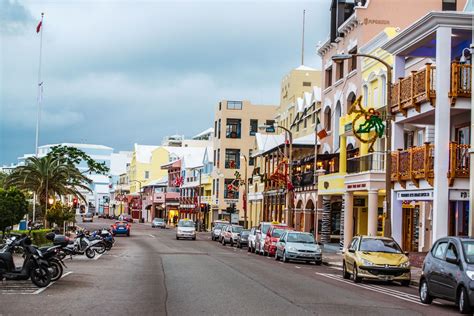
x=376, y=258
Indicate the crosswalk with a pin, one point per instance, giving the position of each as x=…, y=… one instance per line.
x=23, y=287
x=376, y=288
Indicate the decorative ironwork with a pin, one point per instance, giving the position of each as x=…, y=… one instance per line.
x=373, y=125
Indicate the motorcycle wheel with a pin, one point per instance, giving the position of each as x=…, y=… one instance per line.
x=108, y=246
x=40, y=276
x=57, y=270
x=100, y=248
x=90, y=253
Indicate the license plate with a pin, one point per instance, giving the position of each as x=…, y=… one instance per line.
x=121, y=228
x=386, y=277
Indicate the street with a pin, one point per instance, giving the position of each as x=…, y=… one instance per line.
x=152, y=273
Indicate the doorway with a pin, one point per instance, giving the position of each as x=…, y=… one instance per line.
x=410, y=229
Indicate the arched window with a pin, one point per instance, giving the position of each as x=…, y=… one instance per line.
x=327, y=119
x=337, y=116
x=350, y=99
x=365, y=95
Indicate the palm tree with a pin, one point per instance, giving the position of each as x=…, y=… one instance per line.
x=48, y=176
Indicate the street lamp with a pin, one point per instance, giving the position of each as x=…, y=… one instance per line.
x=242, y=156
x=290, y=171
x=388, y=136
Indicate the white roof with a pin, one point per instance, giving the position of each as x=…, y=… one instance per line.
x=305, y=140
x=118, y=162
x=190, y=184
x=303, y=67
x=266, y=142
x=194, y=158
x=143, y=152
x=299, y=105
x=316, y=95
x=98, y=178
x=210, y=154
x=205, y=132
x=78, y=145
x=162, y=181
x=307, y=99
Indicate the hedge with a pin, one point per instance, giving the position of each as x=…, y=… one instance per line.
x=38, y=237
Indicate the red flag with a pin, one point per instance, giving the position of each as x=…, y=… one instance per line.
x=38, y=28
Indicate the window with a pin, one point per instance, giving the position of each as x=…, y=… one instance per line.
x=217, y=188
x=313, y=120
x=375, y=98
x=214, y=162
x=306, y=84
x=232, y=158
x=270, y=126
x=366, y=94
x=147, y=174
x=328, y=77
x=305, y=122
x=327, y=119
x=234, y=105
x=220, y=106
x=219, y=129
x=383, y=81
x=215, y=128
x=449, y=5
x=230, y=192
x=233, y=128
x=439, y=250
x=353, y=60
x=251, y=159
x=452, y=252
x=339, y=70
x=253, y=127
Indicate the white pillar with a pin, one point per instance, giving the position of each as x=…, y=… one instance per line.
x=348, y=218
x=373, y=213
x=397, y=136
x=442, y=134
x=397, y=217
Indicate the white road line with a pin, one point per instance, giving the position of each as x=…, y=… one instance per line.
x=297, y=267
x=393, y=293
x=152, y=236
x=336, y=268
x=97, y=256
x=44, y=288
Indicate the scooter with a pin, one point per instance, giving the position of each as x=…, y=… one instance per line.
x=34, y=265
x=52, y=255
x=82, y=245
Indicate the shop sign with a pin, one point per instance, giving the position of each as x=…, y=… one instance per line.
x=459, y=195
x=229, y=201
x=348, y=127
x=419, y=195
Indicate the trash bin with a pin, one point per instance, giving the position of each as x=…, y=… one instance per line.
x=22, y=225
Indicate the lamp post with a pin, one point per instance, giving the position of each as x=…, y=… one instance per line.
x=388, y=135
x=140, y=192
x=245, y=190
x=290, y=171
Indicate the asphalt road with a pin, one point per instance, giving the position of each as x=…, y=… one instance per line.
x=152, y=273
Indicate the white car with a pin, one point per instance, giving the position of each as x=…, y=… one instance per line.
x=252, y=239
x=186, y=229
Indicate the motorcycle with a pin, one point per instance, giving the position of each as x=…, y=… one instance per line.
x=34, y=265
x=80, y=246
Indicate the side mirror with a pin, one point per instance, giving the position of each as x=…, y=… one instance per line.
x=406, y=253
x=452, y=260
x=238, y=234
x=351, y=250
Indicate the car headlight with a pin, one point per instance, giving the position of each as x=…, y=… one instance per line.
x=292, y=249
x=366, y=262
x=470, y=274
x=405, y=264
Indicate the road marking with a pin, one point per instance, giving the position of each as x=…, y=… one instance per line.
x=297, y=267
x=44, y=288
x=336, y=268
x=152, y=236
x=24, y=287
x=376, y=288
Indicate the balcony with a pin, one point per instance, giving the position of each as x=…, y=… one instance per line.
x=417, y=163
x=419, y=87
x=371, y=162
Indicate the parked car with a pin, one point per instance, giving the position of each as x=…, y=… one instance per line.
x=158, y=222
x=126, y=218
x=216, y=230
x=243, y=238
x=186, y=229
x=272, y=237
x=251, y=239
x=260, y=236
x=448, y=273
x=88, y=217
x=121, y=228
x=377, y=258
x=223, y=230
x=294, y=245
x=231, y=234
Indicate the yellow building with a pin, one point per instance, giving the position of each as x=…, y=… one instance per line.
x=140, y=167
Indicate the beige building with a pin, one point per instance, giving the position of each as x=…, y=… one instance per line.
x=235, y=126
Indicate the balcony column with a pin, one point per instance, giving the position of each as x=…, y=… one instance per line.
x=348, y=218
x=442, y=135
x=373, y=213
x=397, y=217
x=343, y=154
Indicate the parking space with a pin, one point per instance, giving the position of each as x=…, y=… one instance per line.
x=25, y=287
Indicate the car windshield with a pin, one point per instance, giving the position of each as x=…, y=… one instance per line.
x=301, y=238
x=158, y=219
x=379, y=245
x=186, y=224
x=468, y=247
x=277, y=232
x=245, y=232
x=237, y=229
x=218, y=226
x=265, y=228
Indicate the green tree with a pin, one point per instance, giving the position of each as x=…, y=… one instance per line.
x=74, y=156
x=49, y=176
x=2, y=179
x=13, y=207
x=60, y=213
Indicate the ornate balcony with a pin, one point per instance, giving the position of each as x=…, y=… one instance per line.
x=417, y=163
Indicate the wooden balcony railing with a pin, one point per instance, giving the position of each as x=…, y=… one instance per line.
x=461, y=81
x=417, y=163
x=413, y=90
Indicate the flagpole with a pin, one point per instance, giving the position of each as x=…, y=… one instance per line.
x=38, y=113
x=302, y=40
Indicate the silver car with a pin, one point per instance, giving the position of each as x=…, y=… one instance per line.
x=216, y=231
x=221, y=234
x=251, y=239
x=260, y=236
x=294, y=245
x=158, y=222
x=186, y=229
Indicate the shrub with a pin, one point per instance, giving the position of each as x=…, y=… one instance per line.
x=38, y=237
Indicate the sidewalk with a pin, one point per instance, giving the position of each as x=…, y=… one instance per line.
x=334, y=259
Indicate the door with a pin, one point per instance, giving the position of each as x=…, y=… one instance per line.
x=350, y=254
x=450, y=271
x=436, y=268
x=410, y=228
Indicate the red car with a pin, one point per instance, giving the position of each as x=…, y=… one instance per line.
x=273, y=235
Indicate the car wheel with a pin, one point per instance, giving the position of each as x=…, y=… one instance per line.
x=285, y=259
x=194, y=238
x=223, y=242
x=249, y=249
x=355, y=276
x=463, y=301
x=425, y=296
x=128, y=234
x=231, y=243
x=177, y=238
x=405, y=282
x=345, y=274
x=318, y=262
x=276, y=256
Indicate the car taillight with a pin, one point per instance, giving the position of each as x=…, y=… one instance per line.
x=128, y=226
x=115, y=226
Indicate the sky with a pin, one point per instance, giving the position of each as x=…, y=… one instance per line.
x=121, y=72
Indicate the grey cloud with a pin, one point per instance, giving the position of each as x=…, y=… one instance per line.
x=14, y=17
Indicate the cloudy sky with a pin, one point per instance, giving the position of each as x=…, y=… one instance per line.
x=124, y=71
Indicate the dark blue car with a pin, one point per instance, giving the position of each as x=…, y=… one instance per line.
x=121, y=228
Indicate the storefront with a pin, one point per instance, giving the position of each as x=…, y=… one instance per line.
x=458, y=213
